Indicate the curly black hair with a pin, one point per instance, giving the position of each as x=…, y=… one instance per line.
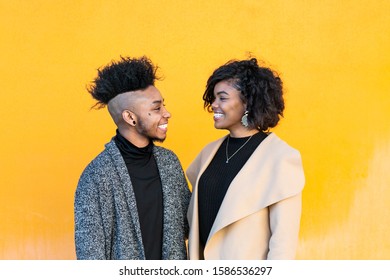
x=124, y=75
x=261, y=89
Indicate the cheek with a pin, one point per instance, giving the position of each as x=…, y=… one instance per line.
x=154, y=120
x=236, y=112
x=234, y=109
x=240, y=108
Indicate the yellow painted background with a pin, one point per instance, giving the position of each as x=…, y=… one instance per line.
x=334, y=58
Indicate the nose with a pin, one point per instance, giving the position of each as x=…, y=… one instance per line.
x=214, y=105
x=166, y=114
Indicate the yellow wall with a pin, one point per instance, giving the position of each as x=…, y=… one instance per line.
x=334, y=58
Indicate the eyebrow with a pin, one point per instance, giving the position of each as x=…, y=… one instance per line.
x=221, y=92
x=157, y=102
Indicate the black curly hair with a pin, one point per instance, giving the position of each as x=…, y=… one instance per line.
x=261, y=89
x=126, y=74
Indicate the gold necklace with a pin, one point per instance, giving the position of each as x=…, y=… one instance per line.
x=227, y=145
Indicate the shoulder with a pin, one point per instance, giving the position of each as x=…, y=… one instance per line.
x=169, y=166
x=202, y=158
x=279, y=149
x=102, y=164
x=215, y=143
x=163, y=151
x=211, y=147
x=164, y=155
x=284, y=160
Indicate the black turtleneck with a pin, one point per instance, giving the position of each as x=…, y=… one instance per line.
x=145, y=179
x=216, y=179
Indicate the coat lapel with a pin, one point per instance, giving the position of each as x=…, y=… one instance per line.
x=168, y=194
x=193, y=173
x=128, y=191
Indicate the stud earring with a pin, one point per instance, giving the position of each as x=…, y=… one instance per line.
x=244, y=119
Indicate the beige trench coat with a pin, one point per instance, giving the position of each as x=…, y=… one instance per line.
x=259, y=217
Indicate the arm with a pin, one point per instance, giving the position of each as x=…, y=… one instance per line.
x=89, y=235
x=285, y=219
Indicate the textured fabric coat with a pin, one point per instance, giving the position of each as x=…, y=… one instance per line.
x=260, y=214
x=106, y=219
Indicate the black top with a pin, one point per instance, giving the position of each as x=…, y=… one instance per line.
x=146, y=183
x=215, y=180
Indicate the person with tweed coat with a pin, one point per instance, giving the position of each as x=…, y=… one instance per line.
x=131, y=201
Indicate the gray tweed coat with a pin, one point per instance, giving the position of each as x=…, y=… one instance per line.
x=106, y=218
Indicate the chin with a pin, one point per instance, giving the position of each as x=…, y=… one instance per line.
x=218, y=126
x=158, y=140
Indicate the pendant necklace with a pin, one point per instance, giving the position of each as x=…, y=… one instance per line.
x=227, y=145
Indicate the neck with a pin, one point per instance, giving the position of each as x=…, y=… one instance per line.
x=242, y=132
x=134, y=138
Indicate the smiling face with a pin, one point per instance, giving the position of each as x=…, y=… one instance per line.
x=151, y=116
x=228, y=107
x=140, y=115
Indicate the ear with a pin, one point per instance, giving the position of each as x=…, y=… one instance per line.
x=129, y=117
x=245, y=106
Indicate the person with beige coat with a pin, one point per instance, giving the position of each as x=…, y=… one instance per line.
x=246, y=186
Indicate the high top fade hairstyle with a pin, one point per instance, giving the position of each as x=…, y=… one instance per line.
x=261, y=89
x=124, y=75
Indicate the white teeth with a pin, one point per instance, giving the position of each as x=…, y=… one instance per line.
x=163, y=126
x=218, y=115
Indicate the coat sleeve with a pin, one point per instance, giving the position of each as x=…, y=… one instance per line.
x=89, y=234
x=285, y=217
x=285, y=213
